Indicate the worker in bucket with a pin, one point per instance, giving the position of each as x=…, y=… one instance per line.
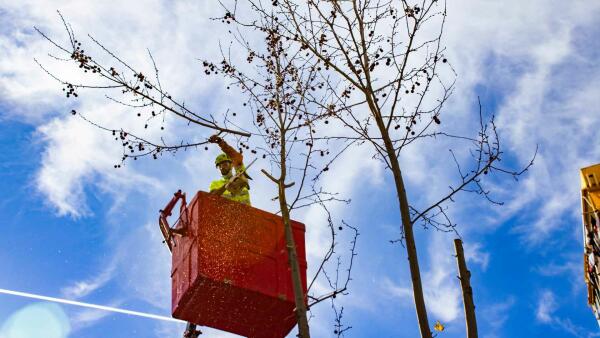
x=233, y=187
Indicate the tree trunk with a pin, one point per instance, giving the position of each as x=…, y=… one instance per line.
x=299, y=296
x=467, y=291
x=411, y=248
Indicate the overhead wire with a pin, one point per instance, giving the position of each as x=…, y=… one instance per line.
x=88, y=305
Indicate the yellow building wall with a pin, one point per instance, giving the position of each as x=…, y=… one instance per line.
x=590, y=186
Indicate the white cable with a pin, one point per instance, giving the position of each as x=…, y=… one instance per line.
x=93, y=306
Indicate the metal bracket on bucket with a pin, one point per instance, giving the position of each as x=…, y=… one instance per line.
x=181, y=225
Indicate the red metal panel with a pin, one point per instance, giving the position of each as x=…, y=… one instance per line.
x=231, y=270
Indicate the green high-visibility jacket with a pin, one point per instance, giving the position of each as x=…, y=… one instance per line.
x=243, y=196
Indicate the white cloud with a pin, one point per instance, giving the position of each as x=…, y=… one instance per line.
x=404, y=293
x=83, y=288
x=146, y=271
x=442, y=293
x=65, y=164
x=82, y=319
x=345, y=180
x=546, y=307
x=548, y=92
x=567, y=266
x=75, y=156
x=495, y=316
x=570, y=267
x=78, y=154
x=474, y=252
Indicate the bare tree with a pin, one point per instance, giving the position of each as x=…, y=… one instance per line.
x=285, y=104
x=385, y=63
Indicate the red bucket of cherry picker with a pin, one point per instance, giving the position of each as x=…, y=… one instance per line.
x=230, y=268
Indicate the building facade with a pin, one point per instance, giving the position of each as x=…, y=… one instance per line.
x=590, y=204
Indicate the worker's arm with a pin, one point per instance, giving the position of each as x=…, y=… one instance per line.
x=237, y=161
x=237, y=185
x=236, y=158
x=217, y=188
x=219, y=191
x=234, y=187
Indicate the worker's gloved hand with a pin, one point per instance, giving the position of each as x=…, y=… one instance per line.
x=236, y=186
x=215, y=139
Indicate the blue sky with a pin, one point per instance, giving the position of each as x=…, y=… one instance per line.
x=73, y=227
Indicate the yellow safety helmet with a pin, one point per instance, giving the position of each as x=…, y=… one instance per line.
x=221, y=158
